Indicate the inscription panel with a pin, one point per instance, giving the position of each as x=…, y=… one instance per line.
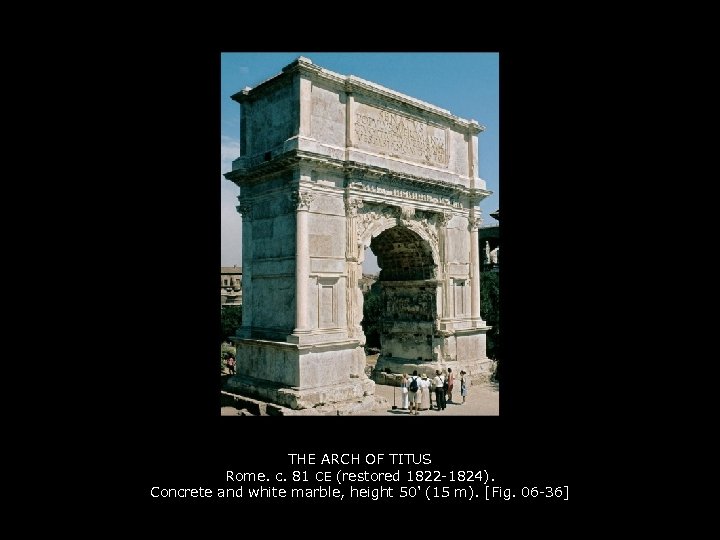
x=395, y=134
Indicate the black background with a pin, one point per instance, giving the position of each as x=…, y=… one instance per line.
x=163, y=200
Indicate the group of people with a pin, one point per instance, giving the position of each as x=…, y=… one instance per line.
x=441, y=385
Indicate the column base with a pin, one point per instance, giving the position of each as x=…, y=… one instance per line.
x=313, y=337
x=451, y=325
x=478, y=322
x=298, y=336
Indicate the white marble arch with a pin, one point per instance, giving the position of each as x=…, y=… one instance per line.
x=311, y=139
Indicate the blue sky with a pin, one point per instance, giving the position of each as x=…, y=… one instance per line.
x=466, y=84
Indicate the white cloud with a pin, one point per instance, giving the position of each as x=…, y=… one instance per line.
x=229, y=150
x=230, y=220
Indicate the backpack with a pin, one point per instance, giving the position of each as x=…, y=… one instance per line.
x=413, y=385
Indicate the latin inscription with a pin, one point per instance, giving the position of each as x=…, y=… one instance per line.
x=400, y=135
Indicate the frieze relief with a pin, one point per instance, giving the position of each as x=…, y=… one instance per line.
x=406, y=339
x=402, y=193
x=419, y=307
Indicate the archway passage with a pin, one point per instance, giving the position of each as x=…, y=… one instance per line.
x=408, y=297
x=402, y=255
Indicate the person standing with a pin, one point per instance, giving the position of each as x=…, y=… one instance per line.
x=450, y=384
x=230, y=362
x=424, y=393
x=439, y=391
x=431, y=380
x=404, y=401
x=414, y=396
x=463, y=386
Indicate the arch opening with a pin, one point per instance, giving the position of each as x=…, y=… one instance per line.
x=401, y=307
x=402, y=255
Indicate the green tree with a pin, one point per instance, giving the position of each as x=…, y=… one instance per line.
x=226, y=349
x=230, y=321
x=372, y=311
x=490, y=311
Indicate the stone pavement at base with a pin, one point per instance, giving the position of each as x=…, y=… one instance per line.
x=483, y=400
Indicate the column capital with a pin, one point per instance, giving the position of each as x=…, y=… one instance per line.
x=245, y=208
x=474, y=223
x=301, y=200
x=443, y=218
x=352, y=206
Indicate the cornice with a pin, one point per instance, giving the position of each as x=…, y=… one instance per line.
x=354, y=172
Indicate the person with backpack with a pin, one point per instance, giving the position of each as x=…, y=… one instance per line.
x=413, y=388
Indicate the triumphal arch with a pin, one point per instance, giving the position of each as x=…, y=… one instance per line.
x=330, y=165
